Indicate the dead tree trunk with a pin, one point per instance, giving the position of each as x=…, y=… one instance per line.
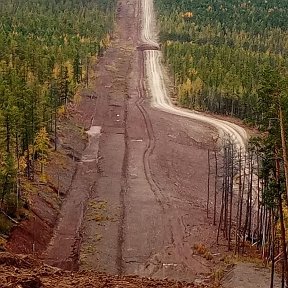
x=231, y=156
x=284, y=149
x=283, y=234
x=208, y=184
x=215, y=188
x=238, y=221
x=272, y=249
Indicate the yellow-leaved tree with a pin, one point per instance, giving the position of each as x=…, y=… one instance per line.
x=42, y=149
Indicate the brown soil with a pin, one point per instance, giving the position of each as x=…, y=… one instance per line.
x=25, y=272
x=33, y=235
x=249, y=275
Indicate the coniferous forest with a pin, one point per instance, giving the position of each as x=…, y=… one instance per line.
x=45, y=50
x=230, y=57
x=218, y=50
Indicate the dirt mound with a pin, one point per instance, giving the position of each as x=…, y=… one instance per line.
x=23, y=271
x=25, y=282
x=19, y=261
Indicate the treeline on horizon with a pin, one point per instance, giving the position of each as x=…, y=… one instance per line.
x=218, y=50
x=45, y=50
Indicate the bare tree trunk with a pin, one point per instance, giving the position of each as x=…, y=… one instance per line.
x=284, y=149
x=238, y=224
x=283, y=274
x=55, y=128
x=18, y=183
x=226, y=186
x=264, y=232
x=8, y=134
x=231, y=156
x=258, y=199
x=221, y=211
x=283, y=234
x=261, y=216
x=283, y=239
x=208, y=184
x=215, y=188
x=272, y=250
x=250, y=193
x=87, y=72
x=246, y=225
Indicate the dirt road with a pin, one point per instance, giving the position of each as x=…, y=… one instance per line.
x=160, y=98
x=137, y=202
x=148, y=223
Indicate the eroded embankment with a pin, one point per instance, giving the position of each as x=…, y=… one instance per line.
x=33, y=234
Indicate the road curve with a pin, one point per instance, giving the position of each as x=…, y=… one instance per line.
x=158, y=90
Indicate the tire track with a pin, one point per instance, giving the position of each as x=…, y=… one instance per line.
x=161, y=199
x=151, y=69
x=124, y=176
x=171, y=216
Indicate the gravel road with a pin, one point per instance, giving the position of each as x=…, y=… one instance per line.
x=157, y=86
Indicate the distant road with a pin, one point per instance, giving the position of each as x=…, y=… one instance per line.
x=158, y=90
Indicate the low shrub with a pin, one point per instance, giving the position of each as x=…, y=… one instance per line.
x=5, y=225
